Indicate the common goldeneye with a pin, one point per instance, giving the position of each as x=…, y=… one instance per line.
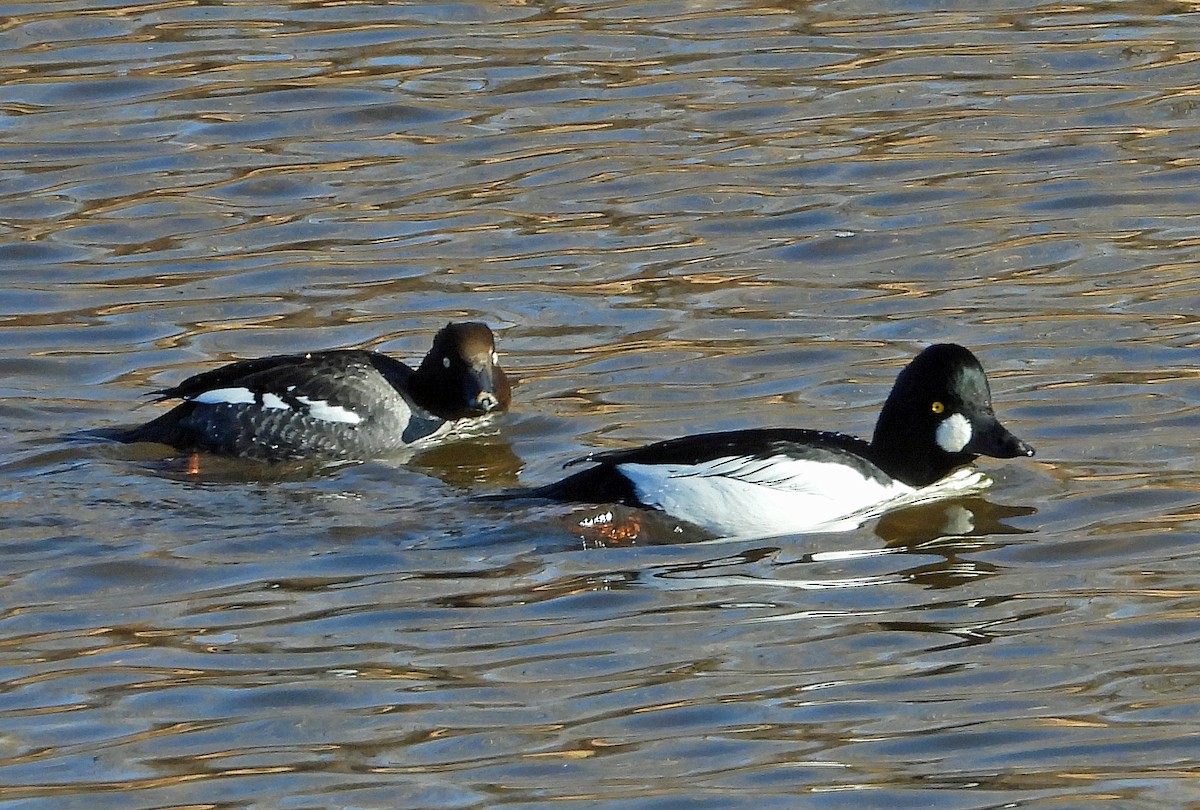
x=937, y=419
x=337, y=404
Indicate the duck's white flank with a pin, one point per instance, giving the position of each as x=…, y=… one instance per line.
x=744, y=497
x=738, y=496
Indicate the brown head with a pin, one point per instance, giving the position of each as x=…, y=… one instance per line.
x=461, y=374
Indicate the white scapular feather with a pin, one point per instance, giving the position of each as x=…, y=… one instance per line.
x=738, y=496
x=320, y=409
x=226, y=396
x=317, y=408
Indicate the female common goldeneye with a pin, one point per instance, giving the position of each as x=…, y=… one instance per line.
x=937, y=419
x=337, y=404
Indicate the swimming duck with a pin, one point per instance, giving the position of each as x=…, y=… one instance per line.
x=336, y=404
x=937, y=419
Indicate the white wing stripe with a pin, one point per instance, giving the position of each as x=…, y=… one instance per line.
x=320, y=409
x=316, y=408
x=225, y=396
x=273, y=402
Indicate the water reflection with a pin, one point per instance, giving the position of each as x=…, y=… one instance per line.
x=949, y=521
x=488, y=460
x=920, y=526
x=684, y=217
x=483, y=458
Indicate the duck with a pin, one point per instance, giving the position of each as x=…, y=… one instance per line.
x=337, y=404
x=762, y=482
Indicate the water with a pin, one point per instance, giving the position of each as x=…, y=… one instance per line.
x=678, y=217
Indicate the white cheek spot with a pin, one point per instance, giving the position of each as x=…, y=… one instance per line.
x=445, y=362
x=953, y=433
x=320, y=409
x=495, y=358
x=274, y=402
x=225, y=396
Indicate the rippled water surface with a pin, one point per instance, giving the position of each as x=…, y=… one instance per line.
x=678, y=216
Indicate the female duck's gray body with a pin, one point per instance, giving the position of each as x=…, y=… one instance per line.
x=338, y=404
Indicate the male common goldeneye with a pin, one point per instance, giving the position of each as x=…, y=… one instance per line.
x=337, y=404
x=937, y=419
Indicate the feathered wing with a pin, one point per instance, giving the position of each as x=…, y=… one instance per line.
x=759, y=482
x=761, y=442
x=759, y=496
x=336, y=403
x=754, y=482
x=227, y=376
x=800, y=475
x=335, y=386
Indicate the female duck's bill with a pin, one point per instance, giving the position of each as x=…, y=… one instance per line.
x=937, y=420
x=338, y=404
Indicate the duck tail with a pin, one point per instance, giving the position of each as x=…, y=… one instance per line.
x=600, y=484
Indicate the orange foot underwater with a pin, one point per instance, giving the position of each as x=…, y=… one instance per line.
x=606, y=530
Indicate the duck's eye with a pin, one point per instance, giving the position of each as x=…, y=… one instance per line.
x=937, y=407
x=445, y=362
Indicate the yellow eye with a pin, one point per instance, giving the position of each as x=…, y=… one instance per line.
x=938, y=407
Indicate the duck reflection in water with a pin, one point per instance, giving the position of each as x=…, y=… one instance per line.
x=938, y=527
